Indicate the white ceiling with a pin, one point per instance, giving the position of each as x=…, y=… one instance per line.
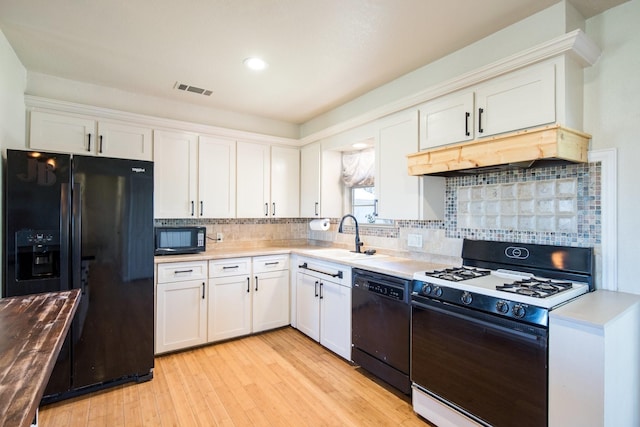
x=321, y=53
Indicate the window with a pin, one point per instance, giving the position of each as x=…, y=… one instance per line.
x=364, y=206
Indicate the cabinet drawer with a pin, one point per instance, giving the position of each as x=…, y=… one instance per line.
x=181, y=271
x=270, y=263
x=230, y=267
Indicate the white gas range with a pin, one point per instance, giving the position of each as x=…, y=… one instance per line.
x=480, y=332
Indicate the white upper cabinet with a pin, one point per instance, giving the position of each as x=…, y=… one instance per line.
x=401, y=196
x=285, y=182
x=194, y=176
x=447, y=120
x=320, y=184
x=268, y=183
x=522, y=99
x=216, y=177
x=518, y=100
x=253, y=167
x=397, y=192
x=175, y=174
x=124, y=141
x=87, y=135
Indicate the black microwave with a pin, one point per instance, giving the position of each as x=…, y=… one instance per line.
x=180, y=240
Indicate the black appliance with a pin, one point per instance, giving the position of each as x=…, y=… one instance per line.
x=380, y=325
x=480, y=332
x=85, y=222
x=179, y=240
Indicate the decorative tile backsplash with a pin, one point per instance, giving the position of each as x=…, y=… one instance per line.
x=546, y=206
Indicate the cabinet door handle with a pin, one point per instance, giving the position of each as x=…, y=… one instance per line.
x=466, y=123
x=89, y=142
x=202, y=290
x=273, y=213
x=321, y=285
x=266, y=209
x=248, y=284
x=256, y=277
x=480, y=111
x=192, y=207
x=315, y=288
x=316, y=209
x=201, y=208
x=100, y=145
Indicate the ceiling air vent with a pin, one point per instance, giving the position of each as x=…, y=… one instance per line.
x=194, y=89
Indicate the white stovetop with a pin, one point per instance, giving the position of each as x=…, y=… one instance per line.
x=486, y=285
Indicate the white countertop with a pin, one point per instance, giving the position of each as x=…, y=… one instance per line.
x=596, y=309
x=380, y=263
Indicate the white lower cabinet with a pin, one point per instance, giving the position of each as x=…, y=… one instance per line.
x=323, y=304
x=181, y=305
x=248, y=295
x=230, y=298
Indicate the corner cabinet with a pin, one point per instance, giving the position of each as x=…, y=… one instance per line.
x=323, y=304
x=181, y=305
x=268, y=183
x=402, y=196
x=247, y=295
x=194, y=176
x=86, y=135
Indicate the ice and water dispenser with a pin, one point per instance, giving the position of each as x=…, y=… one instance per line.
x=38, y=254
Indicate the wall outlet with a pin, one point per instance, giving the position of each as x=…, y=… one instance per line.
x=414, y=240
x=219, y=237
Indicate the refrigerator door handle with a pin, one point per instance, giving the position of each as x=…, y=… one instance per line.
x=65, y=224
x=76, y=236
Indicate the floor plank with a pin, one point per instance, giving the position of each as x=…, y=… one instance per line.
x=278, y=378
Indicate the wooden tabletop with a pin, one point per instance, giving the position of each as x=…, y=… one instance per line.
x=32, y=330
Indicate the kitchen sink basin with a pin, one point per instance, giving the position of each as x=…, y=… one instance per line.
x=342, y=254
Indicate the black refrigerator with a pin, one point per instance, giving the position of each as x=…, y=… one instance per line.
x=85, y=222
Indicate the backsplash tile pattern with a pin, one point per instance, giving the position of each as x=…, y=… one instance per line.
x=558, y=205
x=549, y=205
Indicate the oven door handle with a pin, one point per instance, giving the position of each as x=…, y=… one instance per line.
x=498, y=325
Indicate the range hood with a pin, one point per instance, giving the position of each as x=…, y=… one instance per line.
x=522, y=149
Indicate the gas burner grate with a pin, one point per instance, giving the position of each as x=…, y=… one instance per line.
x=458, y=274
x=535, y=287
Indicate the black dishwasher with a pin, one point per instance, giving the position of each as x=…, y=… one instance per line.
x=381, y=322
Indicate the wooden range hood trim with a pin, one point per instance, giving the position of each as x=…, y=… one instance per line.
x=548, y=142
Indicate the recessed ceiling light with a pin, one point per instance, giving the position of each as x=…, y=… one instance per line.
x=254, y=63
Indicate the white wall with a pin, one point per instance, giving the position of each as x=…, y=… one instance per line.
x=13, y=80
x=612, y=117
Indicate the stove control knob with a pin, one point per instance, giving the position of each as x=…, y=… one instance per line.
x=437, y=291
x=502, y=307
x=426, y=288
x=519, y=311
x=466, y=298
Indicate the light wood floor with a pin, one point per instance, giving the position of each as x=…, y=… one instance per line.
x=279, y=378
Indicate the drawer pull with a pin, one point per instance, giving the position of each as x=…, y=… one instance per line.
x=230, y=267
x=272, y=263
x=183, y=271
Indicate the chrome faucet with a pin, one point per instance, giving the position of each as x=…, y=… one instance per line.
x=358, y=242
